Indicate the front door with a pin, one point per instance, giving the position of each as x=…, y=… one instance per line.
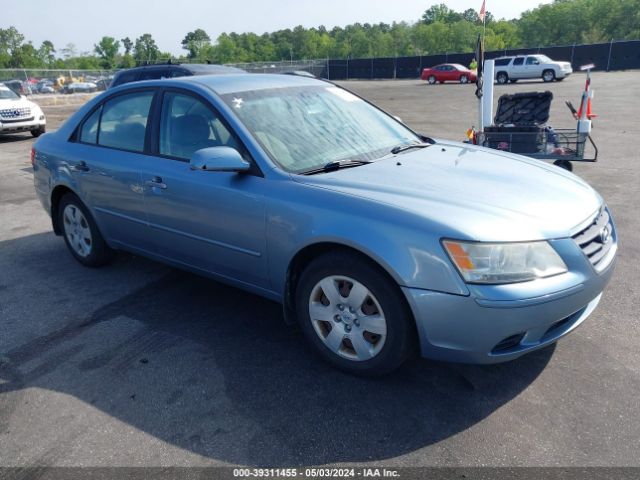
x=211, y=221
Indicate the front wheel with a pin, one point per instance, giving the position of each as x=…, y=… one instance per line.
x=354, y=315
x=38, y=131
x=548, y=76
x=81, y=234
x=431, y=79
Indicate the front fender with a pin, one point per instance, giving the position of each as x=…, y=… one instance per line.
x=405, y=248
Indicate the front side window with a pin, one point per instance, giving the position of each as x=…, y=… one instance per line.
x=187, y=125
x=124, y=121
x=532, y=61
x=304, y=128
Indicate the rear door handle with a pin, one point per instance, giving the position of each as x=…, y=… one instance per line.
x=81, y=166
x=156, y=182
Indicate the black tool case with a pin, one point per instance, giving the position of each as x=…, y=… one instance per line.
x=519, y=122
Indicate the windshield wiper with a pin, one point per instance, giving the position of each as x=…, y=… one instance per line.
x=335, y=165
x=409, y=146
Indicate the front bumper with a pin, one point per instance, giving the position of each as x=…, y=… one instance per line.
x=518, y=319
x=23, y=126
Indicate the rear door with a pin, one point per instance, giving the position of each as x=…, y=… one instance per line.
x=105, y=160
x=211, y=221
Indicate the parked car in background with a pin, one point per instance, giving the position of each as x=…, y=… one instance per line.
x=377, y=240
x=44, y=86
x=448, y=72
x=170, y=70
x=17, y=114
x=79, y=87
x=521, y=67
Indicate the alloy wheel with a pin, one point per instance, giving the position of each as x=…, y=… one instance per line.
x=77, y=231
x=347, y=318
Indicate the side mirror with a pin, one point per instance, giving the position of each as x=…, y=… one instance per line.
x=218, y=159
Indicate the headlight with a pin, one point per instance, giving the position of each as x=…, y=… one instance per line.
x=504, y=262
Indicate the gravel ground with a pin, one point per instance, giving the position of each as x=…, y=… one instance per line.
x=137, y=364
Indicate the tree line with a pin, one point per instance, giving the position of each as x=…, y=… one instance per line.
x=439, y=30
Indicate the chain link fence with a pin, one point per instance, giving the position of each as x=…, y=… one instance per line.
x=27, y=81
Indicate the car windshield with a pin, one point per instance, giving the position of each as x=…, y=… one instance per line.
x=305, y=128
x=7, y=93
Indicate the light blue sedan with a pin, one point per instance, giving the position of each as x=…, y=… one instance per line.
x=377, y=241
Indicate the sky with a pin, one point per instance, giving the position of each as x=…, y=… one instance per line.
x=84, y=22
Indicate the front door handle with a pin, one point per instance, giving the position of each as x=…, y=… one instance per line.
x=156, y=182
x=81, y=166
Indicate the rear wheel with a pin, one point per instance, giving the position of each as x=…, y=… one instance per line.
x=81, y=234
x=431, y=79
x=502, y=78
x=464, y=79
x=354, y=315
x=548, y=76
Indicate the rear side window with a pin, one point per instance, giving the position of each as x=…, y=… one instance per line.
x=125, y=77
x=501, y=62
x=124, y=121
x=155, y=74
x=518, y=61
x=89, y=132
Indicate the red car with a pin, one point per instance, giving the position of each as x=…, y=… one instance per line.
x=448, y=72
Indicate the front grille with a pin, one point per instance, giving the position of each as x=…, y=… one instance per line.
x=15, y=113
x=17, y=120
x=508, y=343
x=596, y=240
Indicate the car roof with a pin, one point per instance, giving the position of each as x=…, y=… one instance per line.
x=242, y=82
x=197, y=68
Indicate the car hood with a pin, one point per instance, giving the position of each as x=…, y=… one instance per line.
x=17, y=103
x=472, y=192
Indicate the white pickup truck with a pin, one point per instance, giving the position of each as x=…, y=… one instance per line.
x=512, y=69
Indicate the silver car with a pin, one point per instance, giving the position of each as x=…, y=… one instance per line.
x=377, y=241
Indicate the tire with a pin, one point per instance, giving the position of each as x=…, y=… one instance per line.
x=502, y=78
x=81, y=234
x=513, y=80
x=431, y=79
x=566, y=164
x=38, y=131
x=376, y=303
x=464, y=79
x=548, y=76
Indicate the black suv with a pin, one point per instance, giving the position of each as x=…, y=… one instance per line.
x=170, y=70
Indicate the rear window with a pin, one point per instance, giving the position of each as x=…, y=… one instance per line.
x=501, y=62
